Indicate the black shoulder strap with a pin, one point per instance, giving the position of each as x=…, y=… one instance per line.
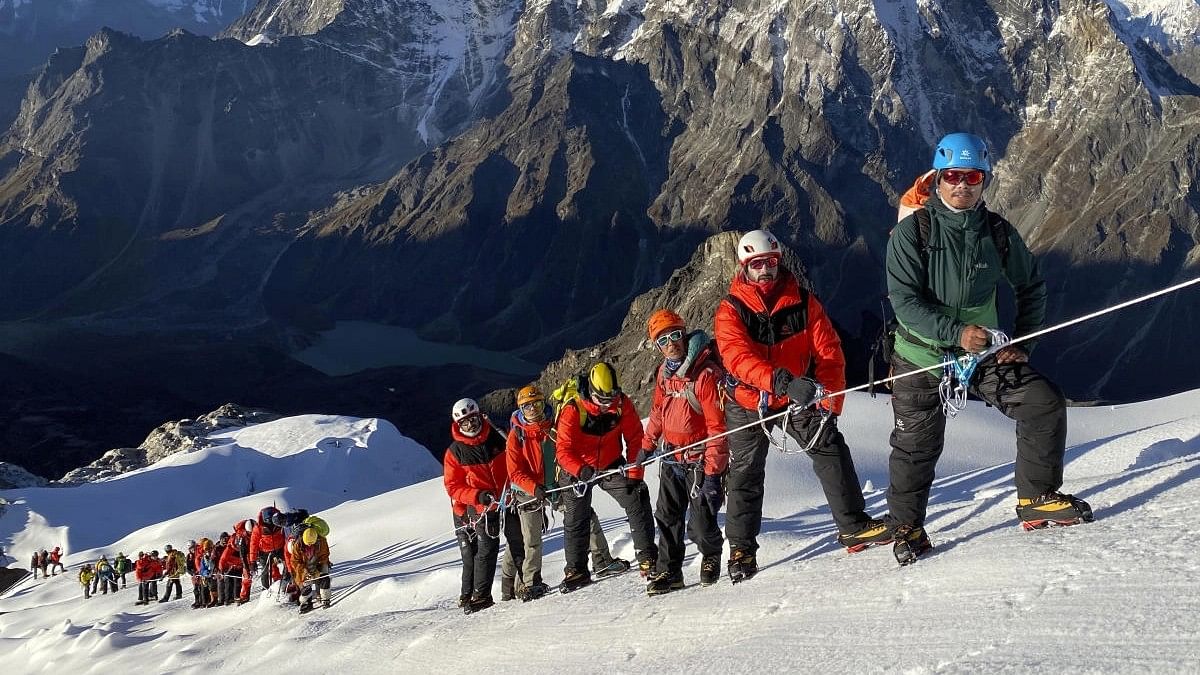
x=924, y=224
x=999, y=229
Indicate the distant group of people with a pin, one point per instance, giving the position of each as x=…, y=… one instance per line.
x=285, y=546
x=775, y=355
x=49, y=563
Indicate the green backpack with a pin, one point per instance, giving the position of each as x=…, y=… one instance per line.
x=318, y=524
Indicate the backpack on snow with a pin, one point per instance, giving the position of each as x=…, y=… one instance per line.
x=913, y=204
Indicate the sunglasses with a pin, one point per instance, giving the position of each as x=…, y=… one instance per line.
x=764, y=263
x=532, y=406
x=970, y=177
x=470, y=421
x=667, y=338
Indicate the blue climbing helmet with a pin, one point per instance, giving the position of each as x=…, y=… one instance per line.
x=962, y=151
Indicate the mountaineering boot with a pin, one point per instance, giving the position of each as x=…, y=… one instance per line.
x=575, y=579
x=533, y=591
x=306, y=606
x=477, y=604
x=464, y=599
x=710, y=570
x=1053, y=508
x=507, y=591
x=911, y=543
x=324, y=598
x=742, y=565
x=874, y=533
x=646, y=567
x=664, y=582
x=613, y=567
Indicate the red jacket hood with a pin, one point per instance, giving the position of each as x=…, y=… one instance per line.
x=531, y=428
x=785, y=292
x=477, y=439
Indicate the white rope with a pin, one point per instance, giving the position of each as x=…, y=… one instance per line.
x=831, y=395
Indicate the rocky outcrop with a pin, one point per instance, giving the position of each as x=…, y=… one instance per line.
x=14, y=477
x=171, y=437
x=527, y=232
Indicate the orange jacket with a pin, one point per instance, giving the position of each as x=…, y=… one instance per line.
x=596, y=441
x=526, y=459
x=263, y=542
x=307, y=562
x=776, y=337
x=473, y=466
x=676, y=421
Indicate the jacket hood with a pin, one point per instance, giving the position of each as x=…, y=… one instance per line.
x=518, y=420
x=960, y=218
x=748, y=293
x=697, y=346
x=477, y=439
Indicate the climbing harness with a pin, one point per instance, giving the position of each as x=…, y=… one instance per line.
x=956, y=375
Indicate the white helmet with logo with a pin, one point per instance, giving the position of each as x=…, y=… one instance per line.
x=463, y=408
x=757, y=243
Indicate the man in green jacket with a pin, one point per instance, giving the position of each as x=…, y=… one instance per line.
x=944, y=264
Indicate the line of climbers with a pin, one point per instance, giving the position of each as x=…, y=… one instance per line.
x=49, y=563
x=775, y=352
x=289, y=547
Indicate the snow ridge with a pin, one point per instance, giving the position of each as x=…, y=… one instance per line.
x=1110, y=596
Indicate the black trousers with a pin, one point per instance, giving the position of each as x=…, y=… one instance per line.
x=676, y=483
x=480, y=547
x=632, y=495
x=919, y=434
x=832, y=464
x=269, y=563
x=173, y=582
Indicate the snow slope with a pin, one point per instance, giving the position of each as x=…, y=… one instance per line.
x=1114, y=596
x=312, y=460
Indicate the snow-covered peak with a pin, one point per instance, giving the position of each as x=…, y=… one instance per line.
x=1167, y=24
x=312, y=461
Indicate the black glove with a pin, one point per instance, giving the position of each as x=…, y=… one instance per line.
x=539, y=493
x=586, y=473
x=486, y=498
x=801, y=390
x=713, y=493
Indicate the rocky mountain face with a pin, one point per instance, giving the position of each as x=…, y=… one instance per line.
x=13, y=476
x=30, y=30
x=810, y=118
x=233, y=194
x=185, y=435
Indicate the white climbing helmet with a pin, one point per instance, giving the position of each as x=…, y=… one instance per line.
x=463, y=408
x=757, y=243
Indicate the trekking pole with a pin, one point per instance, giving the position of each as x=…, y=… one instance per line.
x=788, y=410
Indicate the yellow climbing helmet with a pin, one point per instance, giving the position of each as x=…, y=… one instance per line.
x=602, y=382
x=309, y=536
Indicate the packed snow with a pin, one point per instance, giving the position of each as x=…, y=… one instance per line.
x=1117, y=595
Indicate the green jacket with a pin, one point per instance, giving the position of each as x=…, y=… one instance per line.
x=959, y=288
